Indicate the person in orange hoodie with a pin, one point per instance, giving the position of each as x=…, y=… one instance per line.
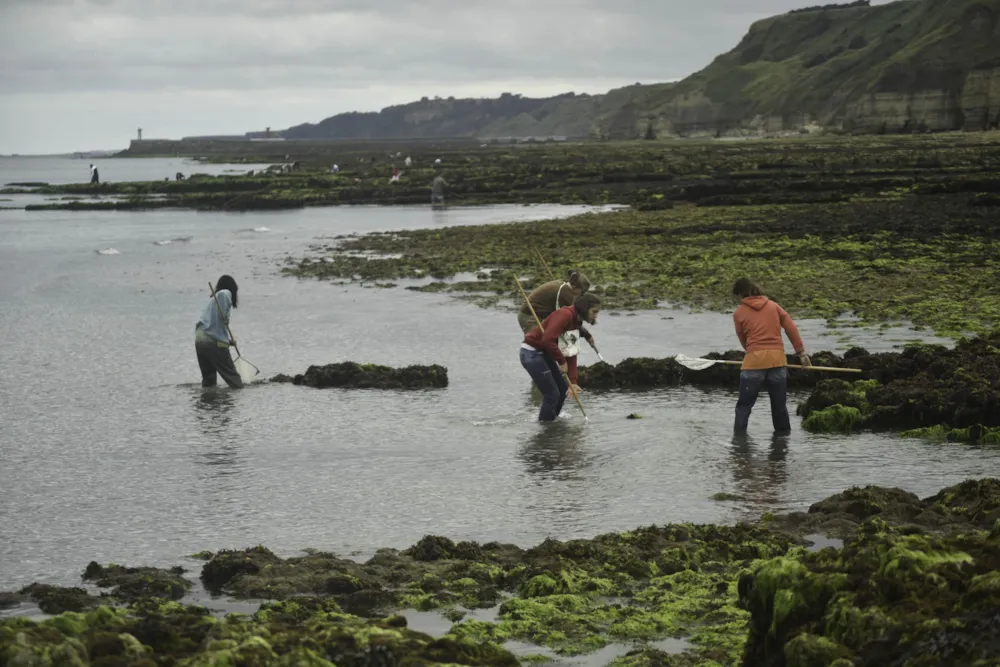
x=759, y=322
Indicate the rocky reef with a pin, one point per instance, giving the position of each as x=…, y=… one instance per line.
x=350, y=375
x=866, y=231
x=925, y=391
x=914, y=577
x=895, y=594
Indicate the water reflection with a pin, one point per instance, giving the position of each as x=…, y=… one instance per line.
x=213, y=412
x=761, y=479
x=555, y=452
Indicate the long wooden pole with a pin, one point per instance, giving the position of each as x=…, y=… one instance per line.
x=805, y=368
x=542, y=329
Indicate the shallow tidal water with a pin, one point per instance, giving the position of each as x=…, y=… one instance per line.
x=111, y=451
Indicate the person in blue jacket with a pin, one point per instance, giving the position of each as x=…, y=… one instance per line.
x=211, y=336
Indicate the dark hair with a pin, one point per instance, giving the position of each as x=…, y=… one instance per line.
x=577, y=279
x=584, y=303
x=745, y=287
x=227, y=282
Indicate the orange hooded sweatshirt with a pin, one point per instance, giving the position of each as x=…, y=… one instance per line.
x=759, y=322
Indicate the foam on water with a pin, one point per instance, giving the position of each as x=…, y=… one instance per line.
x=107, y=251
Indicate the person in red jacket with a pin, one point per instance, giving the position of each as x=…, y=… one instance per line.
x=544, y=361
x=759, y=322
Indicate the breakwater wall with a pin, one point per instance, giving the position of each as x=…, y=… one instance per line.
x=279, y=148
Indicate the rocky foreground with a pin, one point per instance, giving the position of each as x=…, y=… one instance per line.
x=916, y=582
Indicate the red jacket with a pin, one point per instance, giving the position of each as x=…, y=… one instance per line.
x=555, y=325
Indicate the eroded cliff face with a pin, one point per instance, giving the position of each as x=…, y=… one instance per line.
x=976, y=106
x=981, y=99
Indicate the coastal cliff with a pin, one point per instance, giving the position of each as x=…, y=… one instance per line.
x=903, y=67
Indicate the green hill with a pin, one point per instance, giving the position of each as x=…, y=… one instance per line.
x=914, y=65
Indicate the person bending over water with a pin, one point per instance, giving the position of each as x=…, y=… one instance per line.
x=211, y=337
x=545, y=362
x=549, y=297
x=759, y=322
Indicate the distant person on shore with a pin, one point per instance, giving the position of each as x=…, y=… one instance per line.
x=335, y=169
x=211, y=336
x=550, y=297
x=437, y=191
x=437, y=163
x=544, y=360
x=94, y=176
x=759, y=322
x=408, y=162
x=395, y=174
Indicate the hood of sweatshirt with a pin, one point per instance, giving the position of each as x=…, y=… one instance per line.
x=755, y=302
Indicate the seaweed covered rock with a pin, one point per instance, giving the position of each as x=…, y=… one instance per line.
x=885, y=599
x=349, y=375
x=135, y=583
x=649, y=373
x=152, y=635
x=972, y=505
x=57, y=599
x=950, y=394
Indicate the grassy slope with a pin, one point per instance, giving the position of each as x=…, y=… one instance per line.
x=818, y=62
x=815, y=63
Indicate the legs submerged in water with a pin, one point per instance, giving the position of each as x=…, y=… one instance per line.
x=777, y=390
x=213, y=360
x=775, y=380
x=546, y=376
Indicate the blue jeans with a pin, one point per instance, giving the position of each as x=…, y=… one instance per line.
x=545, y=373
x=775, y=380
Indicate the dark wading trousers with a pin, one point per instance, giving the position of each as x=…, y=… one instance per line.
x=213, y=359
x=544, y=371
x=775, y=380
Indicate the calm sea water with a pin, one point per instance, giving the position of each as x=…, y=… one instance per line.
x=111, y=451
x=62, y=170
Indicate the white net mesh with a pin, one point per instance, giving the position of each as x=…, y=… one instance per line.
x=248, y=372
x=693, y=363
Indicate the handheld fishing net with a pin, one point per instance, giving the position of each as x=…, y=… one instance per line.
x=248, y=372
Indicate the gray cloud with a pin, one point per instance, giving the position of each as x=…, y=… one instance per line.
x=327, y=48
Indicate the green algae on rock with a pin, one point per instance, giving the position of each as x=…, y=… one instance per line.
x=136, y=583
x=175, y=634
x=885, y=598
x=350, y=375
x=925, y=391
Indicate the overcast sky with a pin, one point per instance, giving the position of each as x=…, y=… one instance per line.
x=84, y=74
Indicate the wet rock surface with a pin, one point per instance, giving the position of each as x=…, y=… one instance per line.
x=350, y=375
x=893, y=595
x=913, y=577
x=135, y=583
x=929, y=390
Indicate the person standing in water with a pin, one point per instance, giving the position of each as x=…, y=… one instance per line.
x=545, y=362
x=211, y=336
x=437, y=190
x=94, y=177
x=549, y=297
x=759, y=322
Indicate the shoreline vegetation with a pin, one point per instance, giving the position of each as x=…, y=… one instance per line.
x=897, y=576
